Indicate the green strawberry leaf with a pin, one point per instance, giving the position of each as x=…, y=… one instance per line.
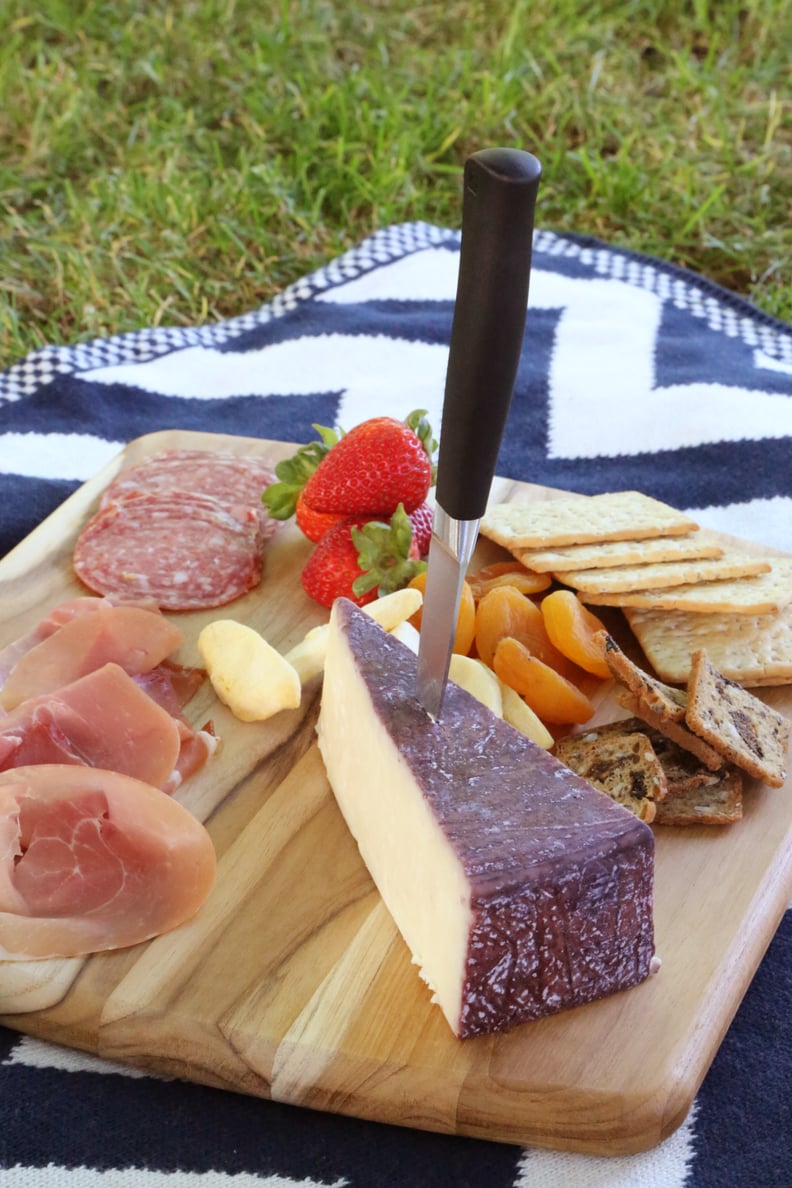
x=280, y=499
x=419, y=423
x=383, y=554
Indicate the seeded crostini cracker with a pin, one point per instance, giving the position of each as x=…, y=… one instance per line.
x=742, y=728
x=755, y=650
x=676, y=731
x=662, y=699
x=619, y=515
x=733, y=563
x=717, y=802
x=622, y=764
x=683, y=770
x=608, y=554
x=694, y=794
x=765, y=594
x=656, y=703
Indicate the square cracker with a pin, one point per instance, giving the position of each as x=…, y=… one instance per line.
x=694, y=794
x=718, y=802
x=733, y=563
x=742, y=728
x=676, y=731
x=661, y=707
x=660, y=698
x=622, y=764
x=683, y=771
x=765, y=594
x=605, y=554
x=619, y=515
x=755, y=650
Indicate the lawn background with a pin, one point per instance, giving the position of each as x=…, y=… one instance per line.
x=178, y=164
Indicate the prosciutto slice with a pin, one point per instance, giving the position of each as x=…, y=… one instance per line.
x=92, y=860
x=102, y=720
x=52, y=622
x=135, y=639
x=171, y=685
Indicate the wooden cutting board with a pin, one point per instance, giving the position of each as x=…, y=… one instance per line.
x=292, y=982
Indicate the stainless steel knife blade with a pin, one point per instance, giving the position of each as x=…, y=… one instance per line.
x=499, y=199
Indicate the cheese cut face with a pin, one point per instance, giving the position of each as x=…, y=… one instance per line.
x=519, y=888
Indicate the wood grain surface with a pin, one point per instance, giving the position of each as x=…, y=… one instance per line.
x=292, y=982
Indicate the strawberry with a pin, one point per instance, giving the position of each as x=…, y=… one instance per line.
x=361, y=559
x=332, y=569
x=375, y=466
x=314, y=524
x=364, y=473
x=280, y=499
x=421, y=519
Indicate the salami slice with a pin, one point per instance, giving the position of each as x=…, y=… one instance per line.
x=184, y=551
x=230, y=478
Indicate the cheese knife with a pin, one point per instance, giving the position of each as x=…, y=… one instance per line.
x=499, y=199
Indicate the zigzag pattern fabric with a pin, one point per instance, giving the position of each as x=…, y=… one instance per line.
x=634, y=374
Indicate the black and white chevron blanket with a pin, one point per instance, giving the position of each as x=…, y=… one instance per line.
x=634, y=374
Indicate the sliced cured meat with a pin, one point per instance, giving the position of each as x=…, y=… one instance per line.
x=102, y=720
x=186, y=552
x=137, y=640
x=231, y=478
x=196, y=746
x=56, y=618
x=52, y=621
x=92, y=860
x=171, y=685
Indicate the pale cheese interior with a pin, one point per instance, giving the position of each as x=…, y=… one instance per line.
x=415, y=869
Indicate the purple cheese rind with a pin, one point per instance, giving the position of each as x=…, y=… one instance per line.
x=561, y=876
x=559, y=944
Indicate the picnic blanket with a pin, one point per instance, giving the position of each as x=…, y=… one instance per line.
x=634, y=374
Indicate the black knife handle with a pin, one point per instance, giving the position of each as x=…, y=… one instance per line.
x=500, y=187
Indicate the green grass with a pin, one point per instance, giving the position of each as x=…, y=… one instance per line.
x=174, y=164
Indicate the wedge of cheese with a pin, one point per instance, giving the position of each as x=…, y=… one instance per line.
x=519, y=888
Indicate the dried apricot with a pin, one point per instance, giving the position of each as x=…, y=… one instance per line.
x=504, y=612
x=466, y=618
x=551, y=697
x=573, y=630
x=507, y=573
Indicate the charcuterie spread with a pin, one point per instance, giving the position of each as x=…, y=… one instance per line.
x=302, y=988
x=521, y=659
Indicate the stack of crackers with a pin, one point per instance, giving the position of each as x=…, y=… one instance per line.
x=711, y=615
x=680, y=759
x=682, y=589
